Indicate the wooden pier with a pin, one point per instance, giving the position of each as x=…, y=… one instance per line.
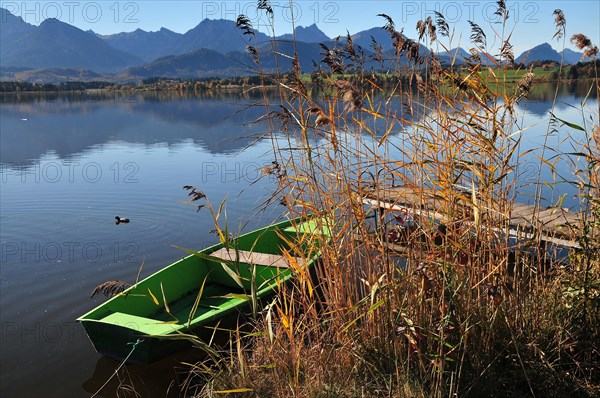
x=553, y=224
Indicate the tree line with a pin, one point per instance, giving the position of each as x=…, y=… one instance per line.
x=581, y=70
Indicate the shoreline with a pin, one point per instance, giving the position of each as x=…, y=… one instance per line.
x=211, y=86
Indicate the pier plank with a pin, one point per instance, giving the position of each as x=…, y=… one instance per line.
x=553, y=222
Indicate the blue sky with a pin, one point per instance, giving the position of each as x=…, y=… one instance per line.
x=532, y=21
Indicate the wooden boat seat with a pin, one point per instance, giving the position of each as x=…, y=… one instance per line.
x=265, y=259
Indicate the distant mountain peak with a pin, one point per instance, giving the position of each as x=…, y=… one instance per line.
x=52, y=21
x=56, y=25
x=56, y=44
x=221, y=21
x=308, y=34
x=146, y=45
x=312, y=27
x=544, y=46
x=541, y=52
x=366, y=37
x=221, y=35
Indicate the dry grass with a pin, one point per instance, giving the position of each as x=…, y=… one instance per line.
x=463, y=311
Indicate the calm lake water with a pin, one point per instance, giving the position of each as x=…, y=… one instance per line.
x=71, y=163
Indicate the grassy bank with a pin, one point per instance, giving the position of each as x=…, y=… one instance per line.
x=464, y=310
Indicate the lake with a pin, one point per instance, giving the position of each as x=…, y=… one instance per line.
x=70, y=163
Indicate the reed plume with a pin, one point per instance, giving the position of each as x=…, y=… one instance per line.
x=110, y=288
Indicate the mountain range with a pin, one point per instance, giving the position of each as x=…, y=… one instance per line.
x=55, y=44
x=57, y=51
x=545, y=52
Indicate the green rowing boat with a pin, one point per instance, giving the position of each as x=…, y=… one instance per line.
x=147, y=321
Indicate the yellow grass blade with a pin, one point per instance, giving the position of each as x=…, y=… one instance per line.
x=153, y=297
x=235, y=391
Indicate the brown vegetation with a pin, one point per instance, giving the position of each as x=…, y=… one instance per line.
x=462, y=310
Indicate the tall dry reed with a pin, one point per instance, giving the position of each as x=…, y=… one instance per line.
x=435, y=298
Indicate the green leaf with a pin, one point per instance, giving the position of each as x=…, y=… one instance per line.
x=572, y=125
x=238, y=296
x=232, y=274
x=197, y=302
x=375, y=306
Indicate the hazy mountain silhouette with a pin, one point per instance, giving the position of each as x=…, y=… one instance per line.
x=208, y=63
x=12, y=26
x=219, y=35
x=571, y=57
x=50, y=75
x=56, y=51
x=365, y=38
x=455, y=55
x=55, y=44
x=148, y=46
x=198, y=64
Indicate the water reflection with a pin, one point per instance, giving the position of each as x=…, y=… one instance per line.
x=34, y=125
x=161, y=379
x=541, y=99
x=166, y=377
